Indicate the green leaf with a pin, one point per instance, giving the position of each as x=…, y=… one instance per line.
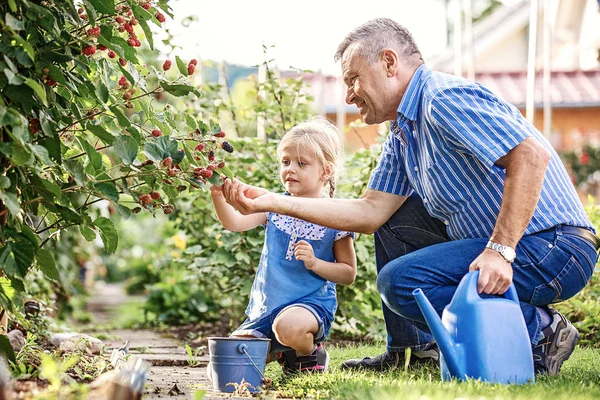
x=127, y=74
x=120, y=47
x=101, y=133
x=101, y=92
x=162, y=148
x=93, y=155
x=108, y=233
x=11, y=201
x=190, y=121
x=43, y=17
x=68, y=214
x=104, y=6
x=12, y=5
x=124, y=211
x=126, y=148
x=76, y=170
x=123, y=120
x=6, y=287
x=13, y=79
x=88, y=233
x=6, y=349
x=47, y=264
x=181, y=66
x=45, y=188
x=41, y=153
x=38, y=89
x=4, y=182
x=180, y=90
x=14, y=23
x=108, y=190
x=147, y=32
x=227, y=172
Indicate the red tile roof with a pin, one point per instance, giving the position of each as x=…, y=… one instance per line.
x=568, y=88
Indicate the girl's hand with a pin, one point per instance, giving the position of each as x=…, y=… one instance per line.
x=303, y=251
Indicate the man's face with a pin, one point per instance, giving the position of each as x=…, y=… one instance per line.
x=369, y=87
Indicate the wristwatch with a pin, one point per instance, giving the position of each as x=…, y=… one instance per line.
x=507, y=252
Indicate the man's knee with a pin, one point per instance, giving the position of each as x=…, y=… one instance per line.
x=395, y=284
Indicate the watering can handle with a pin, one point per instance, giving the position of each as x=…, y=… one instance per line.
x=473, y=277
x=243, y=348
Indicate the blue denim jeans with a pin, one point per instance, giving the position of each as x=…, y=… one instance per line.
x=413, y=251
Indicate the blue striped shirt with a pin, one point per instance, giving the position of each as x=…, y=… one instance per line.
x=443, y=146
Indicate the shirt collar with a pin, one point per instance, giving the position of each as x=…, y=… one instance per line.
x=410, y=100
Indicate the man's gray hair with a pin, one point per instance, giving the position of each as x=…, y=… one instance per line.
x=372, y=37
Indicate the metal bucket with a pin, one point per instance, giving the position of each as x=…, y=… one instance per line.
x=237, y=360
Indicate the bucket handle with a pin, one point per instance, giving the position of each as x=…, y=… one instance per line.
x=243, y=348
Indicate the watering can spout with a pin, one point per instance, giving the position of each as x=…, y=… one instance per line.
x=441, y=335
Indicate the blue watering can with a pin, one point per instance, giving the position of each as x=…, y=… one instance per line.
x=480, y=338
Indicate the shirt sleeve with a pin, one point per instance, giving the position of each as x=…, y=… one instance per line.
x=390, y=176
x=475, y=121
x=342, y=234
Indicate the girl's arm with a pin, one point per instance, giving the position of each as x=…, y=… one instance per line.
x=230, y=218
x=343, y=271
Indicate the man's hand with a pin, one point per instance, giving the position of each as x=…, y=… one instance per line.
x=303, y=251
x=247, y=199
x=495, y=274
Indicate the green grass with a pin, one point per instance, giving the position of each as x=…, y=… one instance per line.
x=579, y=379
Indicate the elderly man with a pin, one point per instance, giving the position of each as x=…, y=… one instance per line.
x=464, y=183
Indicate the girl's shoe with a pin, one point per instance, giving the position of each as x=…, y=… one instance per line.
x=315, y=362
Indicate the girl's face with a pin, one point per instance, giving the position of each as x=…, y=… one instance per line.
x=301, y=173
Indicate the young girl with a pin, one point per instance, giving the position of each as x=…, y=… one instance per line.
x=293, y=297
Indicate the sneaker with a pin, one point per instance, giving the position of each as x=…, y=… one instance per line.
x=390, y=360
x=559, y=341
x=315, y=362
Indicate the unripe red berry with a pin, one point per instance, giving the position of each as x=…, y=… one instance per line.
x=95, y=32
x=146, y=6
x=210, y=167
x=221, y=164
x=145, y=199
x=89, y=50
x=155, y=195
x=119, y=19
x=167, y=162
x=206, y=173
x=112, y=54
x=127, y=96
x=156, y=133
x=200, y=147
x=167, y=65
x=125, y=86
x=128, y=27
x=193, y=61
x=50, y=82
x=172, y=172
x=102, y=47
x=34, y=126
x=169, y=209
x=122, y=80
x=211, y=156
x=220, y=134
x=80, y=10
x=131, y=42
x=133, y=21
x=160, y=17
x=122, y=62
x=137, y=42
x=83, y=16
x=190, y=69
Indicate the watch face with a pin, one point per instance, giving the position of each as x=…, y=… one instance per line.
x=509, y=254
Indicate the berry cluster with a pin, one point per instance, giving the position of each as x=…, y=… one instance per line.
x=153, y=200
x=192, y=66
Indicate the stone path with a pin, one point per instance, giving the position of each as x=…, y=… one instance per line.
x=171, y=377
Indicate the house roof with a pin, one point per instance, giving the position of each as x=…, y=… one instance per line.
x=568, y=89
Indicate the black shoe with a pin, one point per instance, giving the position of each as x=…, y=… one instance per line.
x=390, y=360
x=559, y=341
x=315, y=362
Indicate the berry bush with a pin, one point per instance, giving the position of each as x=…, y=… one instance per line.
x=84, y=121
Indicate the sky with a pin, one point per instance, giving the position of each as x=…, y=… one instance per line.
x=305, y=33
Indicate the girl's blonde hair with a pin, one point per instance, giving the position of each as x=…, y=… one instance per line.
x=322, y=138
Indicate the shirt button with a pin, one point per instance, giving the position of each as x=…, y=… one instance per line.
x=425, y=201
x=446, y=222
x=416, y=168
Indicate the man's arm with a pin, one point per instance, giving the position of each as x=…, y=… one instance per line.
x=364, y=215
x=525, y=170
